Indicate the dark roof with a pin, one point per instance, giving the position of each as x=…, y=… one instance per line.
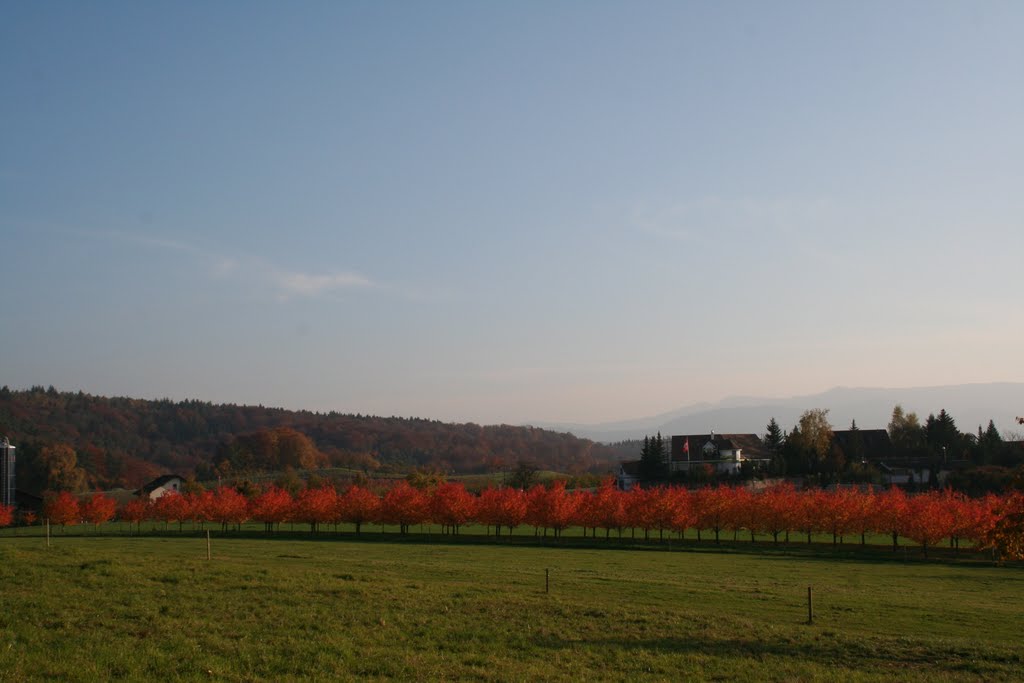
x=158, y=482
x=27, y=501
x=874, y=443
x=923, y=463
x=750, y=444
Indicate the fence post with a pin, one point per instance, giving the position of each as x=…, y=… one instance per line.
x=547, y=580
x=810, y=607
x=208, y=556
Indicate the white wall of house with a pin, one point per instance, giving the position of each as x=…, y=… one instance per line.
x=172, y=486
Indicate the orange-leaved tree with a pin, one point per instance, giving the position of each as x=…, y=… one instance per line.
x=639, y=506
x=316, y=506
x=664, y=514
x=608, y=508
x=451, y=506
x=1006, y=534
x=891, y=514
x=171, y=507
x=683, y=514
x=62, y=509
x=6, y=515
x=98, y=509
x=929, y=519
x=404, y=506
x=552, y=508
x=777, y=510
x=505, y=507
x=271, y=507
x=711, y=507
x=359, y=506
x=228, y=506
x=134, y=511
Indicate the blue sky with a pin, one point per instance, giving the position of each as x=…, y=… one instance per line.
x=509, y=212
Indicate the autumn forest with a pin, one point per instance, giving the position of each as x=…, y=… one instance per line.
x=82, y=442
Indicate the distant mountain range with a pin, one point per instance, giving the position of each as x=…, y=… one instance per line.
x=969, y=404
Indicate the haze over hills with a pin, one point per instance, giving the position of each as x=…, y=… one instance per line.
x=969, y=404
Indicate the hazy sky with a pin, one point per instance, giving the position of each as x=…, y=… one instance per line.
x=509, y=212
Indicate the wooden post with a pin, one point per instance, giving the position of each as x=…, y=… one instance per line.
x=47, y=532
x=810, y=607
x=547, y=580
x=208, y=557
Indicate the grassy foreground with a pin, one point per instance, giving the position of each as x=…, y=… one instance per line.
x=153, y=608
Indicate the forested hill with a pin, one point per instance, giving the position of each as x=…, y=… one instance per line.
x=125, y=441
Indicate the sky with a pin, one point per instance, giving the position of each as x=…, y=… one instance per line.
x=509, y=212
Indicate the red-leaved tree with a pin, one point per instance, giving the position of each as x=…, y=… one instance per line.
x=6, y=515
x=451, y=506
x=551, y=508
x=891, y=514
x=62, y=509
x=711, y=506
x=134, y=511
x=505, y=507
x=171, y=507
x=608, y=508
x=271, y=507
x=404, y=506
x=98, y=509
x=359, y=506
x=316, y=506
x=228, y=506
x=929, y=519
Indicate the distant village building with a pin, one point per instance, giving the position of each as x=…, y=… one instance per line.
x=161, y=486
x=862, y=445
x=7, y=496
x=629, y=474
x=873, y=447
x=722, y=453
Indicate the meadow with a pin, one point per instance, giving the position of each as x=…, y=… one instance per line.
x=152, y=607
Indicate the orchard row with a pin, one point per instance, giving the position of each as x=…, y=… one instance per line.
x=780, y=511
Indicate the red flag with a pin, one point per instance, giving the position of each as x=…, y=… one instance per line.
x=686, y=446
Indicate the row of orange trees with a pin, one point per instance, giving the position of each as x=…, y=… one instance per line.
x=779, y=512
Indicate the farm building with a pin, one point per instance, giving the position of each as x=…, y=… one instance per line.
x=724, y=453
x=168, y=483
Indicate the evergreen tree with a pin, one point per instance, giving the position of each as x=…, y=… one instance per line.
x=774, y=440
x=990, y=444
x=652, y=460
x=773, y=436
x=794, y=455
x=942, y=435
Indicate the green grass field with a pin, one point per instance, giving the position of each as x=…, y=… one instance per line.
x=153, y=608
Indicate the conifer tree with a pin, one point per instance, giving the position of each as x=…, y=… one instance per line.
x=773, y=436
x=652, y=460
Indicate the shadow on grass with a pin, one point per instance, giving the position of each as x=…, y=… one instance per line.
x=823, y=648
x=818, y=551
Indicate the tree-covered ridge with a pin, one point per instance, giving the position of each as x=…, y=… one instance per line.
x=125, y=441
